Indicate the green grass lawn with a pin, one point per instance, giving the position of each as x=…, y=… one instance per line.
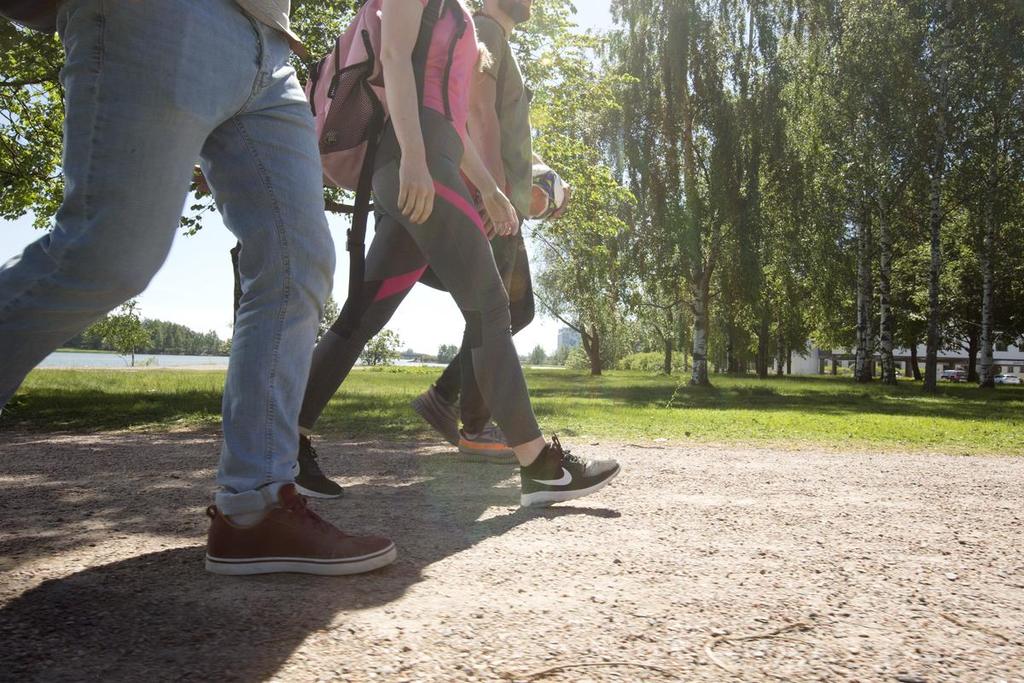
x=624, y=406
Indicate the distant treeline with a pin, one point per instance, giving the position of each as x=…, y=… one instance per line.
x=164, y=338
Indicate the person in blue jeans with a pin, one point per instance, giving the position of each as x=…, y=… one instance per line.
x=150, y=87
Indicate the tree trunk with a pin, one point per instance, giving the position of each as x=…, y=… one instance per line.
x=730, y=349
x=699, y=276
x=835, y=365
x=699, y=377
x=666, y=365
x=987, y=378
x=885, y=293
x=592, y=346
x=780, y=353
x=972, y=356
x=789, y=362
x=938, y=165
x=862, y=368
x=915, y=366
x=931, y=362
x=762, y=348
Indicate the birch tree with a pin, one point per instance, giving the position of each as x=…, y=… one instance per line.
x=935, y=58
x=687, y=167
x=992, y=152
x=581, y=271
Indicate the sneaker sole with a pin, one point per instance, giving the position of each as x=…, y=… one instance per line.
x=543, y=498
x=310, y=493
x=301, y=565
x=423, y=408
x=502, y=455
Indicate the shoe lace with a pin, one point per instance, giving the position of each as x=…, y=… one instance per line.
x=298, y=506
x=309, y=457
x=566, y=456
x=493, y=432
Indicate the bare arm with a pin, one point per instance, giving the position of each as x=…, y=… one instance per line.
x=474, y=162
x=484, y=128
x=400, y=22
x=499, y=208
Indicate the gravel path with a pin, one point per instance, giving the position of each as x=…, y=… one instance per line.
x=894, y=567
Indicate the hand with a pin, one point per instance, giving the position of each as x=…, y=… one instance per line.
x=478, y=201
x=489, y=230
x=565, y=205
x=415, y=190
x=501, y=213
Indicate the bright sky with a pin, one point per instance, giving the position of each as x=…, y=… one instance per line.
x=195, y=286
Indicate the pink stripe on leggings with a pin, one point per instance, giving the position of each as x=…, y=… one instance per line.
x=459, y=202
x=398, y=283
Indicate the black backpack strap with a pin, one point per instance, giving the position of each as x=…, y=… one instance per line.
x=236, y=255
x=431, y=15
x=356, y=242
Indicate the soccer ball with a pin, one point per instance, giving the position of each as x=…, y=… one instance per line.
x=549, y=192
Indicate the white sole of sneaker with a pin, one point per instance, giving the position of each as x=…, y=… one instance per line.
x=542, y=498
x=310, y=493
x=301, y=565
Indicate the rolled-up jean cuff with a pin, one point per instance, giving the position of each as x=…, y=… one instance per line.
x=248, y=502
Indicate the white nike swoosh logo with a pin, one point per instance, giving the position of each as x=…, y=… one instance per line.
x=566, y=479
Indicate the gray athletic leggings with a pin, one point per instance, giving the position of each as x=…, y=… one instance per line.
x=452, y=242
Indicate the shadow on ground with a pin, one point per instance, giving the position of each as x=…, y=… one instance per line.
x=159, y=615
x=81, y=409
x=377, y=402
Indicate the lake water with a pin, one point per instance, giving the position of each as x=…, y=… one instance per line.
x=65, y=359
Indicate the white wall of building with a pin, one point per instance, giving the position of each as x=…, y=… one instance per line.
x=1010, y=361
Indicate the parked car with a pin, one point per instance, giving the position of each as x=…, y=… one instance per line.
x=1007, y=379
x=953, y=376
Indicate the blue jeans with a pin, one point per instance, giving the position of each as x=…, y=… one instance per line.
x=150, y=88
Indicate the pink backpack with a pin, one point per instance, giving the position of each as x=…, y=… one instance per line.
x=346, y=94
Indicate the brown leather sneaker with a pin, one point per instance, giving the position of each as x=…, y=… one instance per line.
x=291, y=538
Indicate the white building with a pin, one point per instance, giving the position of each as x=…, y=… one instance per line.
x=569, y=338
x=1008, y=359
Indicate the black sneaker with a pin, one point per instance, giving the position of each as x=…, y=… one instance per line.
x=557, y=475
x=310, y=479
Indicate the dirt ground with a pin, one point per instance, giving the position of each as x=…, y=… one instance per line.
x=700, y=563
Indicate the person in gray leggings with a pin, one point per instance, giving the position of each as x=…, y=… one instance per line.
x=428, y=218
x=500, y=128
